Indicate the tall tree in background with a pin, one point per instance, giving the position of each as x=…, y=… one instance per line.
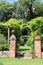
x=25, y=8
x=7, y=10
x=38, y=10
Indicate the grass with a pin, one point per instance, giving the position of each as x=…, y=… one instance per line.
x=25, y=49
x=9, y=61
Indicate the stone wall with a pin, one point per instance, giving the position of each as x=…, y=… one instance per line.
x=26, y=55
x=4, y=53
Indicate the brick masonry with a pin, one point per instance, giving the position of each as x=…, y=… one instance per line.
x=37, y=47
x=12, y=49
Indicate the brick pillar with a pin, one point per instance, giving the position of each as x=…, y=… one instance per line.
x=37, y=47
x=12, y=49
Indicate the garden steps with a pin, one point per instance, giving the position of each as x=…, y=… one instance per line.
x=25, y=55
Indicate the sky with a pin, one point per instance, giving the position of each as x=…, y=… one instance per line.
x=11, y=0
x=16, y=0
x=41, y=0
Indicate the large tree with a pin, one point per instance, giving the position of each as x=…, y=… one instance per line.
x=38, y=11
x=7, y=10
x=25, y=8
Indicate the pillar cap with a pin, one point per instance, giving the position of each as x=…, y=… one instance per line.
x=12, y=37
x=37, y=37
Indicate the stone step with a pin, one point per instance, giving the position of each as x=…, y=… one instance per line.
x=26, y=54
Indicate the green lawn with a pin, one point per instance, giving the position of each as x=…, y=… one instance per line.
x=9, y=61
x=25, y=49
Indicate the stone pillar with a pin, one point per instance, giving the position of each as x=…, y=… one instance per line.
x=37, y=47
x=12, y=49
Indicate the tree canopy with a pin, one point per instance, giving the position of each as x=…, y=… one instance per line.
x=27, y=9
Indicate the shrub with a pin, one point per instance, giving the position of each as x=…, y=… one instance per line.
x=4, y=47
x=3, y=43
x=36, y=25
x=21, y=41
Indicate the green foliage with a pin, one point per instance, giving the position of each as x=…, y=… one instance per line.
x=4, y=47
x=11, y=22
x=7, y=10
x=36, y=27
x=30, y=40
x=25, y=49
x=38, y=9
x=36, y=24
x=13, y=25
x=3, y=43
x=20, y=9
x=26, y=9
x=21, y=41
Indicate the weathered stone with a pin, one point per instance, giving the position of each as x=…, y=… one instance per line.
x=12, y=48
x=37, y=47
